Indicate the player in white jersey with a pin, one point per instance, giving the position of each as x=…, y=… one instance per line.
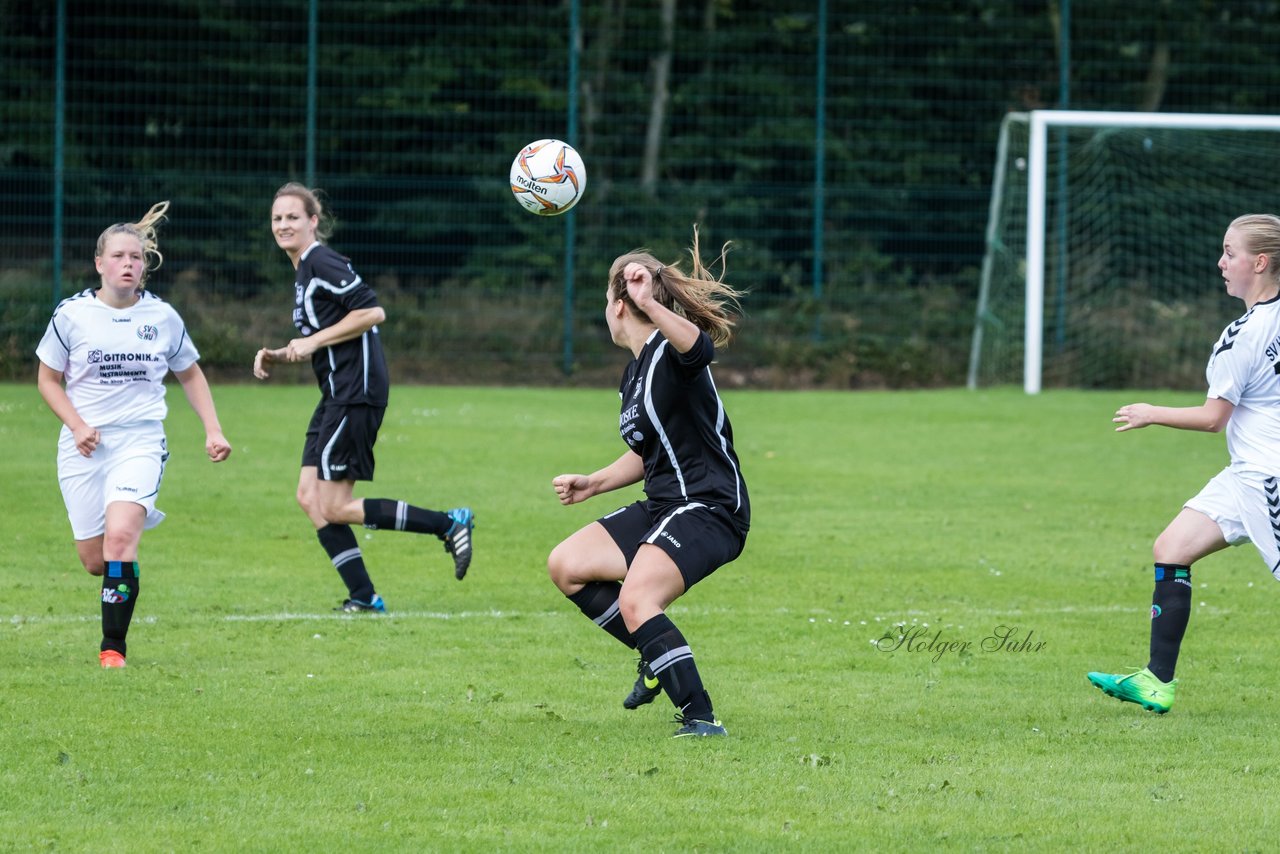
x=103, y=360
x=1242, y=502
x=623, y=570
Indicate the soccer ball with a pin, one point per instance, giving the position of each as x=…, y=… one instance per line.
x=547, y=177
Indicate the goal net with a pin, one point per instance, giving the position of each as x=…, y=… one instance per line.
x=1103, y=238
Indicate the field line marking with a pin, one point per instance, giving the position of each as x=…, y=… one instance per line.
x=392, y=615
x=285, y=616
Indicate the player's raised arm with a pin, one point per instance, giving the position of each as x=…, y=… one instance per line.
x=1210, y=417
x=682, y=333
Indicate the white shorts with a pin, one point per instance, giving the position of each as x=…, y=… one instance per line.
x=127, y=465
x=1246, y=506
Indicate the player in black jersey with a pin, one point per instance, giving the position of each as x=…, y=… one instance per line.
x=337, y=316
x=623, y=570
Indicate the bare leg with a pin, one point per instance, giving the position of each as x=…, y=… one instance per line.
x=1190, y=536
x=587, y=555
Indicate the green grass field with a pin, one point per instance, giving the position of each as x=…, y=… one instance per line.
x=486, y=715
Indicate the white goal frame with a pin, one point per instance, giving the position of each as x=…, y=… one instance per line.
x=1039, y=122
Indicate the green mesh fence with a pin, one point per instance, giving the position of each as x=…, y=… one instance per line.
x=845, y=147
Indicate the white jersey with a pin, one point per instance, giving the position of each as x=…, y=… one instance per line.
x=1244, y=369
x=114, y=360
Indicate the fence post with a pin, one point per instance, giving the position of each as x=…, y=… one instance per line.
x=313, y=40
x=571, y=137
x=819, y=167
x=59, y=129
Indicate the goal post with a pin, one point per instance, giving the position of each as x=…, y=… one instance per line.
x=1114, y=173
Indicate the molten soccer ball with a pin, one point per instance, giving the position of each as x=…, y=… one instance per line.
x=547, y=177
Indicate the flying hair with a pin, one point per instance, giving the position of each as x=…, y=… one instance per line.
x=698, y=295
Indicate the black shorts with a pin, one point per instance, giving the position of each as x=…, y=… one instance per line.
x=340, y=441
x=699, y=538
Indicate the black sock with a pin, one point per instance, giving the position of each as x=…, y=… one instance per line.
x=391, y=515
x=339, y=543
x=119, y=595
x=661, y=644
x=599, y=601
x=1170, y=611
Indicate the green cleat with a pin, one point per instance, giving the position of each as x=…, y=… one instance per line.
x=1141, y=687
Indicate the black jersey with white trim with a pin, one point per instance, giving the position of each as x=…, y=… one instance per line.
x=672, y=416
x=326, y=290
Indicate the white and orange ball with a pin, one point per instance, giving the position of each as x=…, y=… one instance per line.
x=548, y=177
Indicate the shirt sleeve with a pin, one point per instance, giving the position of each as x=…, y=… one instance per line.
x=345, y=287
x=701, y=354
x=184, y=353
x=55, y=347
x=1229, y=374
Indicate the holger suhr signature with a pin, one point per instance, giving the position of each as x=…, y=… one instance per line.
x=921, y=639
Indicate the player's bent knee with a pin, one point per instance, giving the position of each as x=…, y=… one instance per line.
x=569, y=569
x=340, y=513
x=120, y=546
x=637, y=610
x=1169, y=549
x=558, y=567
x=307, y=501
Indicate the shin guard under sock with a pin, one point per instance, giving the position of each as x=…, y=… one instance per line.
x=1170, y=612
x=339, y=543
x=599, y=601
x=119, y=596
x=389, y=515
x=669, y=657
